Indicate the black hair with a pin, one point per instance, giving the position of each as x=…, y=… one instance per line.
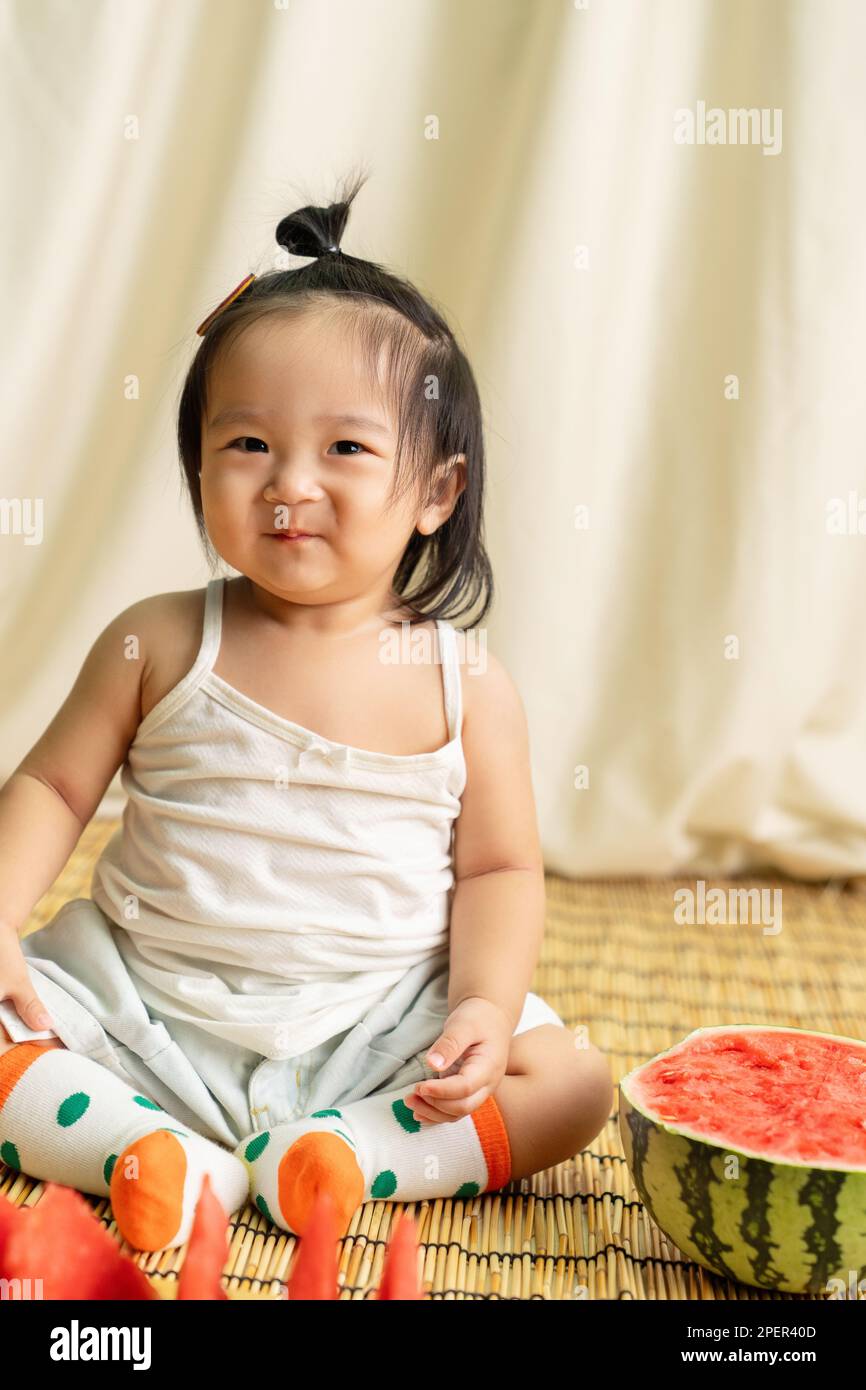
x=429, y=381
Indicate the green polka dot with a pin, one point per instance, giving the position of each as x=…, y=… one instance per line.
x=148, y=1104
x=404, y=1117
x=468, y=1189
x=322, y=1114
x=263, y=1207
x=384, y=1184
x=72, y=1108
x=256, y=1146
x=9, y=1154
x=108, y=1167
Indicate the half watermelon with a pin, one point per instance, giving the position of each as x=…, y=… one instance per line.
x=747, y=1144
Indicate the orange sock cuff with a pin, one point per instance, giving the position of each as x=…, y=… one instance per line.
x=14, y=1063
x=493, y=1137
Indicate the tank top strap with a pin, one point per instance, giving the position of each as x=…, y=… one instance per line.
x=453, y=690
x=207, y=654
x=212, y=625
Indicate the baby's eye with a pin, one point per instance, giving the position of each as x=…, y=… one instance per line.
x=242, y=438
x=354, y=444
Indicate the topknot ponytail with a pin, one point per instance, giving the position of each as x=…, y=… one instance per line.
x=313, y=231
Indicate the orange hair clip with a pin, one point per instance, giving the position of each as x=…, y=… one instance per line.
x=203, y=327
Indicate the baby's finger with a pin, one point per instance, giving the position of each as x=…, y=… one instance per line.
x=450, y=1110
x=426, y=1114
x=473, y=1074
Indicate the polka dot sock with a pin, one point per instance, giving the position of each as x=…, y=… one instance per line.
x=66, y=1119
x=371, y=1150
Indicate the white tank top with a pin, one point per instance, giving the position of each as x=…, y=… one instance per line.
x=272, y=885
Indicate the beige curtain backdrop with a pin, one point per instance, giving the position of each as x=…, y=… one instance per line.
x=669, y=339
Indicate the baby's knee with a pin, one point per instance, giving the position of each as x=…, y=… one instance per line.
x=597, y=1077
x=589, y=1090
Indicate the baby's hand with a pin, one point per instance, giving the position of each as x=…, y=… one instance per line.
x=16, y=987
x=472, y=1054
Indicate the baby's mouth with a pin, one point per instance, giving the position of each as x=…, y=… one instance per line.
x=295, y=537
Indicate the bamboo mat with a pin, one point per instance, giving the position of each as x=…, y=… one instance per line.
x=614, y=960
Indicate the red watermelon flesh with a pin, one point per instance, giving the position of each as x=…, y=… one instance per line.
x=400, y=1272
x=780, y=1093
x=61, y=1243
x=208, y=1249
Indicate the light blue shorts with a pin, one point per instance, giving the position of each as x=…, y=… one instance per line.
x=217, y=1087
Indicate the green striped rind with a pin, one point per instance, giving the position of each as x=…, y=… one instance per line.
x=759, y=1221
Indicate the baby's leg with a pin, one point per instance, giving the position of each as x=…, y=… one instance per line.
x=552, y=1101
x=554, y=1098
x=66, y=1119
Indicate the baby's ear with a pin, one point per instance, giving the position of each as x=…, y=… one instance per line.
x=452, y=477
x=446, y=485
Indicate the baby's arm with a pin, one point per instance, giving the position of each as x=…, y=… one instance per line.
x=48, y=800
x=497, y=911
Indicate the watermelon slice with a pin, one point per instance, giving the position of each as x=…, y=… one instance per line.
x=208, y=1249
x=400, y=1271
x=747, y=1144
x=315, y=1267
x=60, y=1245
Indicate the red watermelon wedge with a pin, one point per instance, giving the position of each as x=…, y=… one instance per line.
x=59, y=1246
x=747, y=1144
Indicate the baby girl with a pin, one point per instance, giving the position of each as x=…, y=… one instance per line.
x=305, y=961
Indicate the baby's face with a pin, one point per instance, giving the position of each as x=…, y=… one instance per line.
x=287, y=460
